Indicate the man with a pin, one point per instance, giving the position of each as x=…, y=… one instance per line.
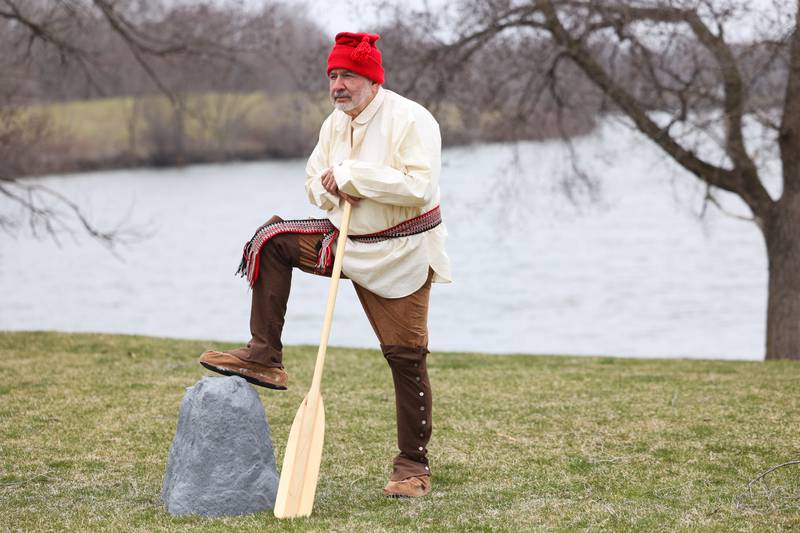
x=381, y=153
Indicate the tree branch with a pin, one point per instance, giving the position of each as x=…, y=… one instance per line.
x=769, y=471
x=41, y=203
x=757, y=198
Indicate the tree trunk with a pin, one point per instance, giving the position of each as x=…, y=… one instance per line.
x=782, y=225
x=782, y=235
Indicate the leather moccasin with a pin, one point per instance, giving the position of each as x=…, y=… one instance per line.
x=230, y=365
x=411, y=487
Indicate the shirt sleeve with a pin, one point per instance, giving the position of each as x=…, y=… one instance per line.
x=411, y=184
x=317, y=164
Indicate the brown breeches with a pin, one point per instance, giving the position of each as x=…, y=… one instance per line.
x=401, y=325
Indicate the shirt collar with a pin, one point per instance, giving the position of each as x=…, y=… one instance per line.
x=372, y=108
x=343, y=120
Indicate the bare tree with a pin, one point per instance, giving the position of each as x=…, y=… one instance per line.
x=67, y=49
x=68, y=30
x=672, y=69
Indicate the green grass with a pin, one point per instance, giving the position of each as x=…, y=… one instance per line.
x=520, y=442
x=106, y=119
x=104, y=131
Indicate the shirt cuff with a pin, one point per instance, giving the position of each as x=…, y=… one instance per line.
x=343, y=174
x=321, y=196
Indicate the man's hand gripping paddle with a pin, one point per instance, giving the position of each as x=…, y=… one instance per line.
x=301, y=460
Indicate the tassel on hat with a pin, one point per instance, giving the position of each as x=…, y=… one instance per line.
x=362, y=51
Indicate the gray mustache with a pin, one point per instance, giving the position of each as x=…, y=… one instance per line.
x=337, y=94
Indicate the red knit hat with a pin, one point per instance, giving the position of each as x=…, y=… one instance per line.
x=357, y=52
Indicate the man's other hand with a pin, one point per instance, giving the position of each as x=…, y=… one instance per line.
x=329, y=182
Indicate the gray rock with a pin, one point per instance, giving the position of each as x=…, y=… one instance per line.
x=221, y=461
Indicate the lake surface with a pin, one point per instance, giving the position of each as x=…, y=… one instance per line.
x=635, y=274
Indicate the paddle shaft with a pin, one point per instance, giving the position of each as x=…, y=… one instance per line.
x=332, y=291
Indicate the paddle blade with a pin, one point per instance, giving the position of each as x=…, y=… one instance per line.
x=301, y=460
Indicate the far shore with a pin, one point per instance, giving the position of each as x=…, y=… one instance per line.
x=136, y=132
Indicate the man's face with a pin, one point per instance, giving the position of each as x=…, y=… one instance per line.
x=349, y=91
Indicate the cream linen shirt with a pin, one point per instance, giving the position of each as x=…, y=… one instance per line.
x=390, y=156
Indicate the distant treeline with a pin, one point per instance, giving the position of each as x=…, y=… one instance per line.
x=163, y=83
x=188, y=48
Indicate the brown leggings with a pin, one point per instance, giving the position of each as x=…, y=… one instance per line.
x=401, y=325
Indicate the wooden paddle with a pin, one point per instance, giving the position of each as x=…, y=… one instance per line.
x=300, y=469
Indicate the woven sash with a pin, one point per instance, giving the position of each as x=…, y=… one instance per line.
x=251, y=255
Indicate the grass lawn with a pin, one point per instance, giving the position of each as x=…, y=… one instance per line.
x=520, y=442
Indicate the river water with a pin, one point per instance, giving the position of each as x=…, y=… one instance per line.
x=635, y=273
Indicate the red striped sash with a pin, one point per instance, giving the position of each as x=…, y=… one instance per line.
x=248, y=267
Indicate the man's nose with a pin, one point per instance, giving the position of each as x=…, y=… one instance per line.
x=337, y=84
